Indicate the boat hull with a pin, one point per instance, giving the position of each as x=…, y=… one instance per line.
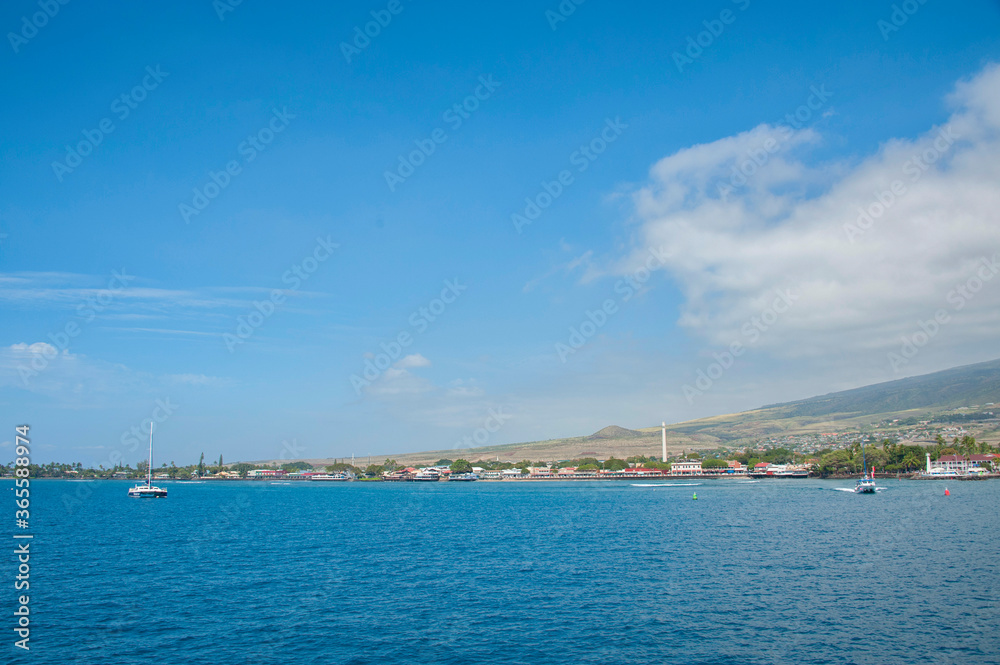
x=865, y=487
x=148, y=493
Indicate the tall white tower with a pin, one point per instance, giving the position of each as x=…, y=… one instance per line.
x=663, y=432
x=928, y=462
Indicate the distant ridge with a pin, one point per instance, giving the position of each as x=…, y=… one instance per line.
x=950, y=388
x=616, y=432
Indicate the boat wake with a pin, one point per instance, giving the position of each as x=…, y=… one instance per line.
x=665, y=484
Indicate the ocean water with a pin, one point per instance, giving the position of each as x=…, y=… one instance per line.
x=780, y=571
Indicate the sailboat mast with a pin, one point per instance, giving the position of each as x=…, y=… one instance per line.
x=149, y=469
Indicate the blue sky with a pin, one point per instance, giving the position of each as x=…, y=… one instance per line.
x=308, y=135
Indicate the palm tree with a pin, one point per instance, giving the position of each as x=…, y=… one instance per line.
x=967, y=446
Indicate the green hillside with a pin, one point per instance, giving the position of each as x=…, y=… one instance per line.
x=960, y=386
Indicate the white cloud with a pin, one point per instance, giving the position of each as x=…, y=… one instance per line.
x=793, y=226
x=41, y=368
x=43, y=349
x=397, y=381
x=407, y=397
x=464, y=389
x=412, y=360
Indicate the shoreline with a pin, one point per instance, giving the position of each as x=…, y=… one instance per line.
x=536, y=479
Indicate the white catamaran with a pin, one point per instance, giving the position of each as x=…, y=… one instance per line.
x=148, y=490
x=866, y=484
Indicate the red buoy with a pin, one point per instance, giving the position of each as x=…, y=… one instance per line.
x=946, y=492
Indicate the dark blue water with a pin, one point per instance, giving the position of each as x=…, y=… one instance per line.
x=768, y=572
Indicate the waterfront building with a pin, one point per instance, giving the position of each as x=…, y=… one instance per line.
x=686, y=467
x=400, y=474
x=255, y=474
x=958, y=464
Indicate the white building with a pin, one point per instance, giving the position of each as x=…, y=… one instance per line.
x=959, y=464
x=687, y=467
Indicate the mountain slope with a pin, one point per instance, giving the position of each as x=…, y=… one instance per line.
x=960, y=386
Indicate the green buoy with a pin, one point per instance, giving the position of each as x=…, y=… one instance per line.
x=695, y=497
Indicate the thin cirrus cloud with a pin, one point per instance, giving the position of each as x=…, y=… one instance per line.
x=125, y=300
x=196, y=380
x=859, y=282
x=581, y=261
